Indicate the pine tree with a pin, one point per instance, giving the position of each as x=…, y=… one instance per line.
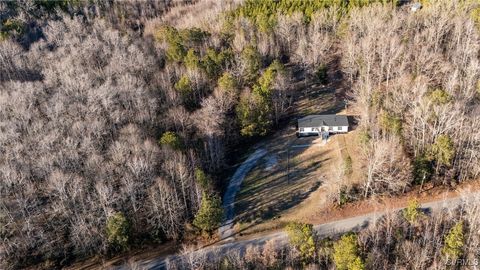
x=252, y=59
x=454, y=242
x=227, y=82
x=192, y=61
x=203, y=179
x=255, y=111
x=184, y=88
x=118, y=230
x=346, y=254
x=302, y=238
x=443, y=150
x=171, y=140
x=412, y=212
x=210, y=215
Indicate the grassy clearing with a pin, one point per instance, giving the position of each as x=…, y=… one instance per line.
x=268, y=199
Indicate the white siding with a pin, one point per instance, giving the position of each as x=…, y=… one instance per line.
x=342, y=129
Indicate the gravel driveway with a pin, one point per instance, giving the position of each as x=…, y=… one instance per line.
x=226, y=230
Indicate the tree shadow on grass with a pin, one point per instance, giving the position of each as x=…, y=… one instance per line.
x=271, y=207
x=271, y=193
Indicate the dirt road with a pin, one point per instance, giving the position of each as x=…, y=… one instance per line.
x=322, y=230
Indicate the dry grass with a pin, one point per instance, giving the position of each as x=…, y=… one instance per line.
x=269, y=199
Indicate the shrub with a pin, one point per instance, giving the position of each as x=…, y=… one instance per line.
x=302, y=238
x=210, y=214
x=454, y=242
x=412, y=212
x=347, y=194
x=118, y=230
x=346, y=254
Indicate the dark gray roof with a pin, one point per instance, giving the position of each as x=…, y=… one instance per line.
x=323, y=120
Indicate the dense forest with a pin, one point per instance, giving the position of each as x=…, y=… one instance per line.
x=118, y=119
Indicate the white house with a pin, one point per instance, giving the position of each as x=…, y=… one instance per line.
x=316, y=124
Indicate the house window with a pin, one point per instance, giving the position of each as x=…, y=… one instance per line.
x=340, y=128
x=330, y=128
x=301, y=129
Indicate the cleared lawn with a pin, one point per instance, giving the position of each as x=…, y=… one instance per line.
x=268, y=198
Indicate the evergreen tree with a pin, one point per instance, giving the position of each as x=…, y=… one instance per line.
x=210, y=215
x=176, y=50
x=443, y=150
x=192, y=61
x=193, y=36
x=412, y=212
x=254, y=114
x=255, y=111
x=454, y=242
x=203, y=179
x=171, y=140
x=252, y=61
x=301, y=236
x=346, y=255
x=227, y=82
x=184, y=88
x=118, y=230
x=391, y=124
x=422, y=169
x=439, y=97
